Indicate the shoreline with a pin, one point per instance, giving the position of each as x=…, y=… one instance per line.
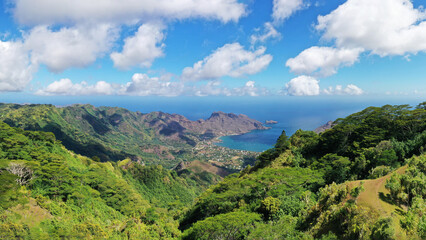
x=241, y=146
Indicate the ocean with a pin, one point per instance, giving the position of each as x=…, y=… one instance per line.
x=291, y=113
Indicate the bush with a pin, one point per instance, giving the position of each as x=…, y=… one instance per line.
x=232, y=226
x=379, y=171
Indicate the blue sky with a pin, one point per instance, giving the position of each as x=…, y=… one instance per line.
x=292, y=48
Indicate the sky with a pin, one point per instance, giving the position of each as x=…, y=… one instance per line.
x=198, y=48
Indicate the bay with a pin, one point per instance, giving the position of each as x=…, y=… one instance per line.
x=292, y=113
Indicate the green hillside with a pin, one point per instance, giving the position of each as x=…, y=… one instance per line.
x=365, y=178
x=358, y=180
x=48, y=192
x=113, y=134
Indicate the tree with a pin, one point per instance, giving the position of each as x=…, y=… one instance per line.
x=383, y=230
x=24, y=173
x=8, y=189
x=270, y=207
x=230, y=226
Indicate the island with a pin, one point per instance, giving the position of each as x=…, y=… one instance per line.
x=271, y=122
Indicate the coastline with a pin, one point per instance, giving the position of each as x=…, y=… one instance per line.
x=230, y=141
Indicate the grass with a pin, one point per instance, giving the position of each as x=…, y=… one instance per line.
x=198, y=167
x=31, y=214
x=375, y=197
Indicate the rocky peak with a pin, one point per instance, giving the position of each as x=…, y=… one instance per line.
x=323, y=128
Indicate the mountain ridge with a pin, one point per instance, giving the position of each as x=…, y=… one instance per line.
x=113, y=133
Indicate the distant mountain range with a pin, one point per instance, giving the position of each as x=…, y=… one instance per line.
x=112, y=133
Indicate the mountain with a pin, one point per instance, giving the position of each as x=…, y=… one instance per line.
x=365, y=178
x=113, y=134
x=217, y=125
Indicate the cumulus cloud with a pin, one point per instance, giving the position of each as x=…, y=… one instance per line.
x=283, y=9
x=230, y=60
x=214, y=88
x=324, y=61
x=143, y=85
x=142, y=48
x=303, y=86
x=309, y=86
x=67, y=87
x=16, y=70
x=269, y=32
x=384, y=27
x=350, y=89
x=69, y=47
x=140, y=85
x=75, y=33
x=34, y=12
x=249, y=89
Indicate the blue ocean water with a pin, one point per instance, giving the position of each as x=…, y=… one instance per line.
x=292, y=113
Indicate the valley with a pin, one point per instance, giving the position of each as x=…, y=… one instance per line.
x=212, y=120
x=113, y=134
x=363, y=177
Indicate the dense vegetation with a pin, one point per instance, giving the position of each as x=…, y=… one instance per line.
x=113, y=134
x=365, y=178
x=285, y=196
x=48, y=192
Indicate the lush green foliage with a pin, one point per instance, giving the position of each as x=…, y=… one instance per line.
x=232, y=226
x=357, y=144
x=303, y=188
x=70, y=196
x=110, y=134
x=252, y=192
x=410, y=189
x=283, y=186
x=113, y=134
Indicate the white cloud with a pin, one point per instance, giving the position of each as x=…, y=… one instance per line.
x=283, y=9
x=249, y=89
x=16, y=69
x=229, y=60
x=143, y=85
x=309, y=86
x=69, y=47
x=140, y=85
x=350, y=89
x=142, y=48
x=323, y=61
x=269, y=32
x=303, y=86
x=353, y=90
x=66, y=87
x=214, y=88
x=75, y=33
x=384, y=27
x=34, y=12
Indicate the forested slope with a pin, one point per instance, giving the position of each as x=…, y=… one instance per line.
x=48, y=192
x=113, y=134
x=361, y=179
x=365, y=178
